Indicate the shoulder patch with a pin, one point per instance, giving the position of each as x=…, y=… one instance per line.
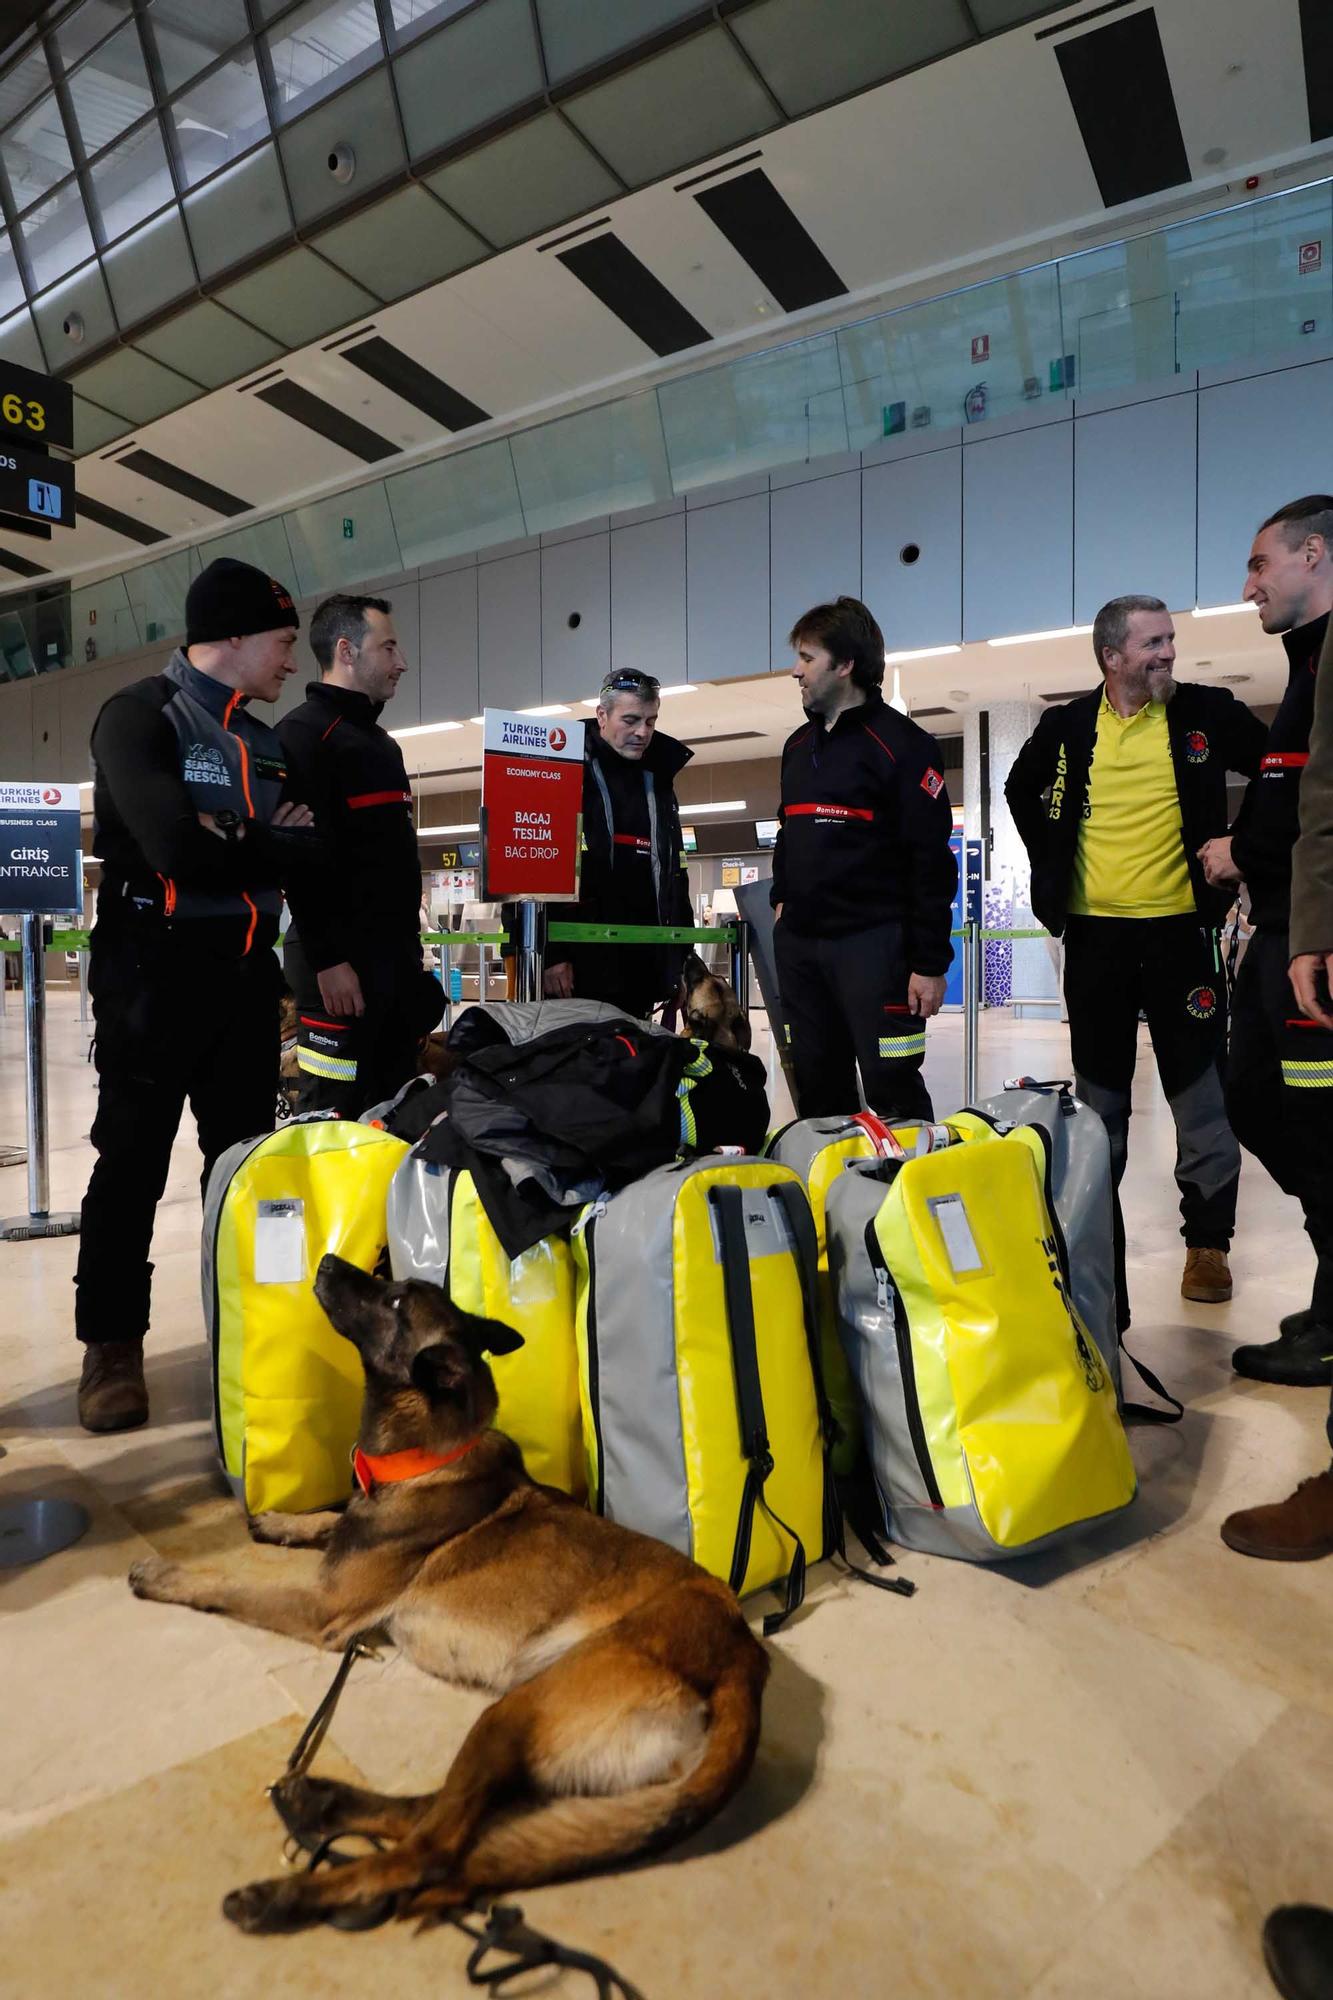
x=932, y=782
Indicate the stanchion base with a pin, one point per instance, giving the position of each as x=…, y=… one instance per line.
x=31, y=1530
x=23, y=1228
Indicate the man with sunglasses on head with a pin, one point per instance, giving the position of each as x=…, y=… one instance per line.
x=633, y=868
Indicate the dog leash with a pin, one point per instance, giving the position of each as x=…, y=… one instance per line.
x=503, y=1931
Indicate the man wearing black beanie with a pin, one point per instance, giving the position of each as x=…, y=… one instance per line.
x=197, y=838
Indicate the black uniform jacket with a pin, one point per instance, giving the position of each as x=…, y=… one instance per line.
x=1269, y=822
x=164, y=750
x=1210, y=733
x=366, y=904
x=632, y=869
x=864, y=835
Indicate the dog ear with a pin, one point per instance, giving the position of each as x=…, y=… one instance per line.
x=436, y=1367
x=491, y=1336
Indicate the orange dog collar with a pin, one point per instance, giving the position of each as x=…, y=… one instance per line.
x=387, y=1468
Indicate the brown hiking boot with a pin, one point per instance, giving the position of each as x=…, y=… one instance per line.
x=1294, y=1530
x=112, y=1393
x=1207, y=1278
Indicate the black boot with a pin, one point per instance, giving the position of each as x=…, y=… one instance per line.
x=1298, y=1951
x=1302, y=1359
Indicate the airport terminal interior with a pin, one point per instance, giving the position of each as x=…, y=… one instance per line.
x=603, y=338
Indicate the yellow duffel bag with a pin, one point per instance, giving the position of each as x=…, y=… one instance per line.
x=287, y=1389
x=439, y=1231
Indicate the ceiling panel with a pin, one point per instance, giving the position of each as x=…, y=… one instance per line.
x=211, y=343
x=367, y=402
x=297, y=297
x=94, y=427
x=19, y=342
x=526, y=181
x=468, y=73
x=238, y=213
x=687, y=104
x=993, y=15
x=150, y=269
x=811, y=51
x=548, y=315
x=1236, y=88
x=479, y=354
x=401, y=244
x=134, y=384
x=577, y=34
x=121, y=486
x=361, y=118
x=84, y=301
x=249, y=448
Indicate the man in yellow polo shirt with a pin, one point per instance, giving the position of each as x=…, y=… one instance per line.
x=1113, y=794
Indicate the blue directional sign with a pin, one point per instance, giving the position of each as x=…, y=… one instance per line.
x=44, y=499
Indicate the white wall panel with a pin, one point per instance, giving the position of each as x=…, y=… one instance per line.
x=727, y=597
x=1135, y=494
x=576, y=583
x=509, y=631
x=1018, y=532
x=1262, y=442
x=46, y=732
x=914, y=502
x=405, y=708
x=447, y=657
x=815, y=544
x=648, y=597
x=16, y=731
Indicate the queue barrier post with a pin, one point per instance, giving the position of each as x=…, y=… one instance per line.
x=530, y=952
x=971, y=1006
x=34, y=1528
x=740, y=964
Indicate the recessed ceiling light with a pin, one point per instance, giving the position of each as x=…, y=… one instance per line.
x=714, y=806
x=923, y=653
x=424, y=729
x=1030, y=638
x=548, y=708
x=1219, y=610
x=430, y=832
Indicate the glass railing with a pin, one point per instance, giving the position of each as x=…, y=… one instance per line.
x=1244, y=284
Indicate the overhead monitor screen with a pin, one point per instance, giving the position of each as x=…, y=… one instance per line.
x=765, y=832
x=689, y=840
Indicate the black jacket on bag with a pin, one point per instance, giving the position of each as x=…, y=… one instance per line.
x=864, y=835
x=632, y=872
x=365, y=905
x=1210, y=733
x=1268, y=824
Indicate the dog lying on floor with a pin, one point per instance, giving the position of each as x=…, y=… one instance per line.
x=709, y=1007
x=629, y=1683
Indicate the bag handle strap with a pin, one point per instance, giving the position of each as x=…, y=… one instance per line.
x=795, y=1205
x=729, y=1206
x=1144, y=1413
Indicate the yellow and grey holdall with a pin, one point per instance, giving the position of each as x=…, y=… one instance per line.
x=439, y=1230
x=819, y=1149
x=990, y=1413
x=287, y=1390
x=704, y=1419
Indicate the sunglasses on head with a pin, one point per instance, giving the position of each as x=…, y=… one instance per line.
x=632, y=683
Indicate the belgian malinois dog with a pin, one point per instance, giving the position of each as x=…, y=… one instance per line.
x=710, y=1009
x=629, y=1683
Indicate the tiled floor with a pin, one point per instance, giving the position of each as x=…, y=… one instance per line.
x=1076, y=1784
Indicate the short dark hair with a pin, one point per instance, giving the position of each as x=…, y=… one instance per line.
x=847, y=631
x=341, y=617
x=1111, y=624
x=1312, y=515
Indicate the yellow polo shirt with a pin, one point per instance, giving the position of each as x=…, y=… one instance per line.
x=1130, y=862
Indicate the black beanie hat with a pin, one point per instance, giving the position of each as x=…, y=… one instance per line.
x=230, y=599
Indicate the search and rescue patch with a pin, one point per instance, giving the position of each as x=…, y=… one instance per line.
x=933, y=783
x=1196, y=747
x=1202, y=1003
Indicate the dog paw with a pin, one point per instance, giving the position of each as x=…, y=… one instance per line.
x=265, y=1907
x=268, y=1528
x=154, y=1579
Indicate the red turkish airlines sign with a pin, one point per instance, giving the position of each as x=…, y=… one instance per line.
x=531, y=807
